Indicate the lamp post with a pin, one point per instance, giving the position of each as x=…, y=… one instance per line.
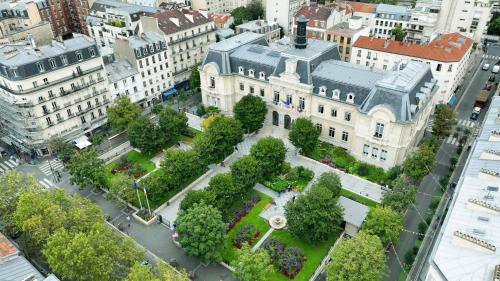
x=137, y=192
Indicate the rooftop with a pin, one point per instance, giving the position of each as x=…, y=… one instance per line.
x=363, y=7
x=172, y=21
x=256, y=24
x=144, y=39
x=314, y=13
x=354, y=212
x=102, y=5
x=219, y=18
x=391, y=9
x=446, y=48
x=343, y=28
x=18, y=268
x=474, y=211
x=6, y=247
x=236, y=41
x=120, y=70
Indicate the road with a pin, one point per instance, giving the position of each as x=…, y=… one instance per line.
x=430, y=187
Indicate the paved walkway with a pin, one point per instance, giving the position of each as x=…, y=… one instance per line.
x=349, y=182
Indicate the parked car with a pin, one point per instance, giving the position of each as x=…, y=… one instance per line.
x=496, y=69
x=488, y=86
x=492, y=78
x=486, y=66
x=475, y=113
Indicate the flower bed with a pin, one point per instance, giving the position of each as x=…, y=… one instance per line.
x=288, y=260
x=133, y=163
x=296, y=177
x=247, y=233
x=243, y=211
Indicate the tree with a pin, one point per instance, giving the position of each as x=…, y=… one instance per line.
x=122, y=113
x=202, y=233
x=358, y=259
x=14, y=184
x=96, y=255
x=206, y=150
x=240, y=15
x=246, y=172
x=194, y=78
x=252, y=266
x=314, y=216
x=304, y=135
x=61, y=149
x=271, y=153
x=181, y=165
x=256, y=9
x=385, y=223
x=420, y=163
x=196, y=196
x=444, y=120
x=40, y=214
x=139, y=272
x=331, y=181
x=402, y=195
x=494, y=26
x=225, y=190
x=156, y=184
x=171, y=124
x=398, y=33
x=144, y=135
x=121, y=187
x=207, y=121
x=86, y=169
x=251, y=112
x=162, y=272
x=224, y=133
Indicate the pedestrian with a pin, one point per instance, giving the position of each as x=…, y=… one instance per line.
x=128, y=221
x=236, y=147
x=293, y=198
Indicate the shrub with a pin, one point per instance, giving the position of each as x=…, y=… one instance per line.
x=245, y=234
x=454, y=160
x=289, y=260
x=422, y=227
x=123, y=163
x=409, y=258
x=394, y=172
x=243, y=211
x=415, y=250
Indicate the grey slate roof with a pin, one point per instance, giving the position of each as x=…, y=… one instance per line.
x=120, y=70
x=17, y=269
x=400, y=12
x=102, y=5
x=354, y=212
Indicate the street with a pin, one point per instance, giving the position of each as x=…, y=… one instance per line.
x=429, y=188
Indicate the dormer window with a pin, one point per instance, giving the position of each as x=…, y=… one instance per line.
x=92, y=52
x=241, y=70
x=251, y=73
x=151, y=49
x=322, y=91
x=336, y=94
x=40, y=66
x=262, y=75
x=138, y=52
x=79, y=55
x=350, y=98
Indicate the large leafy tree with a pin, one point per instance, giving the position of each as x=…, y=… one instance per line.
x=194, y=78
x=171, y=123
x=401, y=196
x=14, y=184
x=156, y=184
x=315, y=215
x=246, y=172
x=61, y=149
x=121, y=187
x=252, y=266
x=444, y=120
x=331, y=181
x=385, y=223
x=358, y=259
x=271, y=153
x=196, y=196
x=206, y=149
x=398, y=33
x=162, y=272
x=86, y=169
x=304, y=135
x=202, y=232
x=144, y=135
x=225, y=190
x=122, y=113
x=420, y=163
x=241, y=14
x=251, y=112
x=181, y=165
x=40, y=214
x=494, y=26
x=95, y=255
x=224, y=133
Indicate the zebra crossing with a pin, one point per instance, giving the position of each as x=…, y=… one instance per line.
x=491, y=57
x=8, y=165
x=56, y=165
x=452, y=140
x=46, y=183
x=466, y=123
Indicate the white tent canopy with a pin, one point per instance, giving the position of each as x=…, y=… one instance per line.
x=82, y=142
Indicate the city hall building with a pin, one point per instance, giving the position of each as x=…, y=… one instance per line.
x=379, y=116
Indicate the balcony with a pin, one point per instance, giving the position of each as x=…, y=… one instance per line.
x=377, y=135
x=184, y=38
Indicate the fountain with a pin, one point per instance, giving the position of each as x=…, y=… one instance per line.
x=277, y=222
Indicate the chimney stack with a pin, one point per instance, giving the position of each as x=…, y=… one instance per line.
x=301, y=37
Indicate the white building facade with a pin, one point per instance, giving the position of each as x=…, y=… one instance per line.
x=447, y=55
x=269, y=28
x=378, y=116
x=283, y=11
x=218, y=6
x=125, y=80
x=59, y=90
x=387, y=17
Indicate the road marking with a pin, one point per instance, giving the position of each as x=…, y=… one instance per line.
x=4, y=166
x=469, y=85
x=48, y=182
x=43, y=184
x=9, y=164
x=1, y=170
x=13, y=163
x=449, y=139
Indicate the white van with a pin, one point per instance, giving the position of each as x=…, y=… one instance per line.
x=496, y=68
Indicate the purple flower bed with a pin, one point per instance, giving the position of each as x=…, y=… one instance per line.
x=247, y=233
x=243, y=211
x=288, y=260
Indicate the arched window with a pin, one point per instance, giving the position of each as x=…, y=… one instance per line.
x=322, y=90
x=350, y=97
x=262, y=75
x=251, y=73
x=241, y=70
x=336, y=94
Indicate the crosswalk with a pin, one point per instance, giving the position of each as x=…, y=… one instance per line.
x=452, y=140
x=466, y=123
x=491, y=57
x=46, y=183
x=45, y=166
x=7, y=165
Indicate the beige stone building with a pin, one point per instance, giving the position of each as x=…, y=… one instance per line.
x=378, y=116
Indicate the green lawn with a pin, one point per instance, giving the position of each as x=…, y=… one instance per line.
x=358, y=198
x=314, y=253
x=230, y=253
x=137, y=158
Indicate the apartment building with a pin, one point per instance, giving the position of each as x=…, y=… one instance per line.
x=345, y=35
x=447, y=55
x=378, y=116
x=388, y=17
x=187, y=33
x=109, y=20
x=469, y=17
x=148, y=55
x=124, y=80
x=422, y=27
x=320, y=19
x=283, y=11
x=367, y=12
x=269, y=28
x=218, y=6
x=58, y=89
